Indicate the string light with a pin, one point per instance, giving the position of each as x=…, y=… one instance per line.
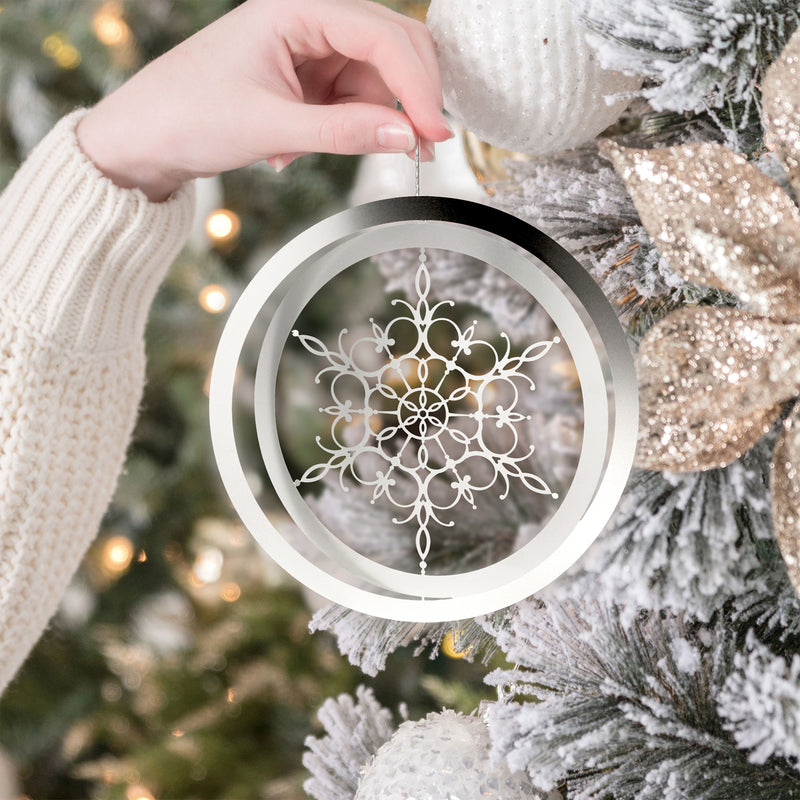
x=138, y=793
x=109, y=26
x=449, y=648
x=223, y=225
x=57, y=47
x=208, y=565
x=117, y=554
x=213, y=298
x=231, y=592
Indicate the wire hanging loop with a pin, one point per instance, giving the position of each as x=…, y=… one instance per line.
x=416, y=167
x=416, y=155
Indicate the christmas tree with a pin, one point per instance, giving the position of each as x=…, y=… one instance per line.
x=180, y=663
x=678, y=677
x=665, y=664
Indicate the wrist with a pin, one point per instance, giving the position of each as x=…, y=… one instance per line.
x=123, y=157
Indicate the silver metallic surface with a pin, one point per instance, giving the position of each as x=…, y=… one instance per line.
x=587, y=324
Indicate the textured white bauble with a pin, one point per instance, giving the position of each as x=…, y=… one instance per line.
x=442, y=757
x=520, y=75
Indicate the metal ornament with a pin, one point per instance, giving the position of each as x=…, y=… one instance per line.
x=432, y=430
x=421, y=415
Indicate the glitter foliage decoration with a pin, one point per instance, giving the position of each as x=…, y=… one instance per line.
x=413, y=427
x=714, y=380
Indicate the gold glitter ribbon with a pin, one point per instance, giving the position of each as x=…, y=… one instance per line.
x=714, y=380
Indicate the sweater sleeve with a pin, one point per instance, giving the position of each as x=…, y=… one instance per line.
x=80, y=262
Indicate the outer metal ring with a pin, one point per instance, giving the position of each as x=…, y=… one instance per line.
x=543, y=268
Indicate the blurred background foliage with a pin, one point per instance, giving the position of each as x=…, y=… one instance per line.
x=180, y=665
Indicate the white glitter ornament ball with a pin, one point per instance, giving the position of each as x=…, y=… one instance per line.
x=442, y=757
x=520, y=75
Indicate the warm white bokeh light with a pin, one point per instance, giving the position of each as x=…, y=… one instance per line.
x=222, y=225
x=213, y=298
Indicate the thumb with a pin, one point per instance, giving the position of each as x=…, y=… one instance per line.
x=353, y=129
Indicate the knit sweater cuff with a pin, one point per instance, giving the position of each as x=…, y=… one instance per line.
x=81, y=258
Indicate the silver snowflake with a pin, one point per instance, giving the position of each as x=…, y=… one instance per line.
x=413, y=427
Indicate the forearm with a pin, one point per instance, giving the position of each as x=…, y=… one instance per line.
x=80, y=261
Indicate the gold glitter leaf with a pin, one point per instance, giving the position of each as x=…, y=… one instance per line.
x=781, y=108
x=718, y=221
x=785, y=483
x=712, y=381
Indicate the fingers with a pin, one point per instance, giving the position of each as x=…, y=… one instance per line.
x=401, y=50
x=337, y=79
x=352, y=128
x=360, y=82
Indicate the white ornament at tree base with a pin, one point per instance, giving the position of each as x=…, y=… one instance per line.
x=520, y=75
x=442, y=757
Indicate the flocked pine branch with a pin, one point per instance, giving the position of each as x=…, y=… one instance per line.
x=760, y=704
x=355, y=731
x=699, y=53
x=687, y=542
x=770, y=604
x=627, y=710
x=368, y=641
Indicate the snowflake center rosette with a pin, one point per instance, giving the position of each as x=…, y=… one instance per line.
x=423, y=409
x=416, y=432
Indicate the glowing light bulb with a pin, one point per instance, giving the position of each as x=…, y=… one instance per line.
x=117, y=554
x=208, y=565
x=52, y=45
x=449, y=648
x=65, y=54
x=109, y=26
x=213, y=298
x=231, y=592
x=69, y=57
x=222, y=225
x=138, y=793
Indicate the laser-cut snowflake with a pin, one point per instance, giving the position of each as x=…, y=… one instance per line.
x=420, y=417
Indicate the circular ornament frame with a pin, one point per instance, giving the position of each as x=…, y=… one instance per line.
x=589, y=327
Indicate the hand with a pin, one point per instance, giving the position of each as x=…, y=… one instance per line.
x=272, y=79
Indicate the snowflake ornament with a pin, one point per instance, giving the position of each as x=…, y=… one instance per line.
x=415, y=426
x=426, y=416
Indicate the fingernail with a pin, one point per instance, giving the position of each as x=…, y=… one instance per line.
x=427, y=152
x=397, y=138
x=446, y=124
x=278, y=163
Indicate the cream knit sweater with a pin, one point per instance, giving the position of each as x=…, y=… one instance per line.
x=80, y=261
